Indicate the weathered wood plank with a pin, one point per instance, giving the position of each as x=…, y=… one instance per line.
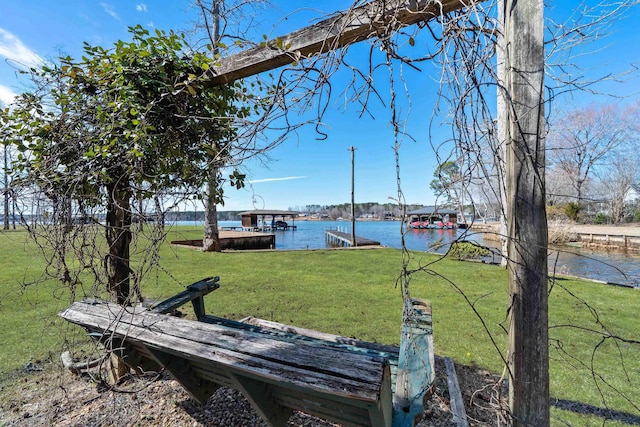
x=381, y=413
x=325, y=370
x=415, y=372
x=322, y=407
x=139, y=358
x=376, y=18
x=267, y=326
x=339, y=410
x=528, y=356
x=212, y=372
x=280, y=330
x=246, y=343
x=455, y=396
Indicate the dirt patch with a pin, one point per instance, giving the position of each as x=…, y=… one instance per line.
x=56, y=396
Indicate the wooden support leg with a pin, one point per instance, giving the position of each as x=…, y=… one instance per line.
x=198, y=307
x=180, y=369
x=136, y=361
x=415, y=372
x=258, y=394
x=382, y=414
x=116, y=369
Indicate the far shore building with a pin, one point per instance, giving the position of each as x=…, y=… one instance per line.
x=432, y=217
x=632, y=195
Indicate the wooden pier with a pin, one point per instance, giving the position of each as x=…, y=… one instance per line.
x=259, y=228
x=338, y=238
x=236, y=240
x=616, y=242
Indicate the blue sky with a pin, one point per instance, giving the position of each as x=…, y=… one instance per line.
x=303, y=170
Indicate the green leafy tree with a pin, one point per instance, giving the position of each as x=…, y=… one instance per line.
x=124, y=125
x=446, y=181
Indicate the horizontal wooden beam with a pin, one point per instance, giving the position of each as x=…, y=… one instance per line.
x=343, y=28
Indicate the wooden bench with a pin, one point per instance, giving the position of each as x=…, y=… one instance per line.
x=279, y=368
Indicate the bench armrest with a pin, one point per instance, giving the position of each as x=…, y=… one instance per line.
x=194, y=293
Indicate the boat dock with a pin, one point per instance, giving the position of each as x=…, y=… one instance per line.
x=236, y=240
x=338, y=238
x=266, y=228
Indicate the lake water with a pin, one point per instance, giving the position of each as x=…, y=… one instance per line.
x=606, y=266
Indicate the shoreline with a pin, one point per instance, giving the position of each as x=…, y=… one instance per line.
x=624, y=238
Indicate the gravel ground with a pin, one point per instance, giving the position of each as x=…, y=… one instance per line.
x=54, y=396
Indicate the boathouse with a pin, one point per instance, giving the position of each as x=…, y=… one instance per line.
x=433, y=217
x=267, y=220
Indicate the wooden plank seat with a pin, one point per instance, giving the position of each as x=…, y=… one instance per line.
x=279, y=368
x=289, y=333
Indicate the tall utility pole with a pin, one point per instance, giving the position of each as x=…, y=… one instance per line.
x=353, y=208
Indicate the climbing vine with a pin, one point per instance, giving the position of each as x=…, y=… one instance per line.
x=114, y=139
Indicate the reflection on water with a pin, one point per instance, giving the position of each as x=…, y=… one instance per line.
x=606, y=266
x=614, y=267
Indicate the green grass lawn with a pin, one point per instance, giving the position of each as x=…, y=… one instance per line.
x=354, y=293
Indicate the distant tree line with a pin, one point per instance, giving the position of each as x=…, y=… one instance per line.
x=199, y=216
x=371, y=210
x=362, y=210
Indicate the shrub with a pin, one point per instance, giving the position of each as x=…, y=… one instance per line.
x=555, y=212
x=467, y=250
x=601, y=218
x=572, y=210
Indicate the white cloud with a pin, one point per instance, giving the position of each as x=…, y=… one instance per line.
x=12, y=48
x=6, y=96
x=141, y=7
x=109, y=9
x=286, y=178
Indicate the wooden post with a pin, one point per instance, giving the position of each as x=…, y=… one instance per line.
x=353, y=209
x=527, y=222
x=6, y=184
x=118, y=237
